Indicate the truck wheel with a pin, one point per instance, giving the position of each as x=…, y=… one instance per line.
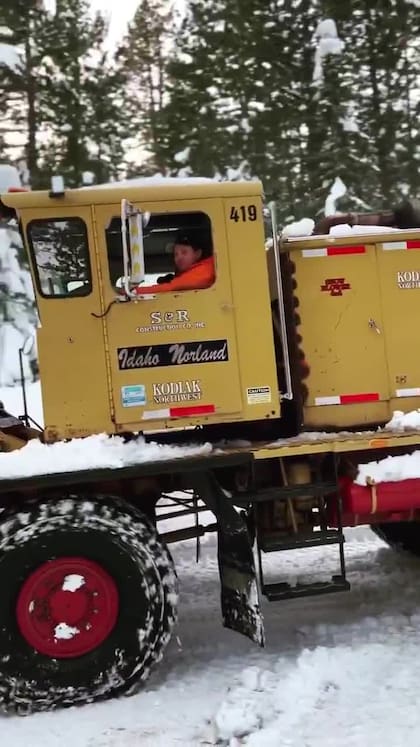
x=404, y=535
x=89, y=596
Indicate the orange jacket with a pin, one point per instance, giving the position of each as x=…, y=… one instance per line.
x=200, y=275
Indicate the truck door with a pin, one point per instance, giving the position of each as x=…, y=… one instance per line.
x=172, y=355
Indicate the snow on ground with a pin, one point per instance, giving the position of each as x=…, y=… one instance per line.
x=337, y=671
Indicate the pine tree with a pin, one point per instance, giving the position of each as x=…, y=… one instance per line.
x=24, y=22
x=237, y=90
x=243, y=95
x=143, y=57
x=381, y=69
x=83, y=107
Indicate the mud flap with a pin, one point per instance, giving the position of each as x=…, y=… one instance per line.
x=239, y=589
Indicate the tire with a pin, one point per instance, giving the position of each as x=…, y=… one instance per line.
x=403, y=536
x=117, y=550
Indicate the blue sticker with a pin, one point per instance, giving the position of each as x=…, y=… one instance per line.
x=133, y=396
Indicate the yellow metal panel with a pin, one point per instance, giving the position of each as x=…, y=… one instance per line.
x=71, y=352
x=341, y=326
x=337, y=443
x=399, y=277
x=194, y=316
x=149, y=190
x=252, y=310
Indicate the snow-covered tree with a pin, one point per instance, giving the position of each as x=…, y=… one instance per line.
x=21, y=37
x=83, y=106
x=143, y=56
x=304, y=95
x=379, y=72
x=17, y=309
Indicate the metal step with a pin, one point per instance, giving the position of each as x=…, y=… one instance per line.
x=294, y=542
x=278, y=592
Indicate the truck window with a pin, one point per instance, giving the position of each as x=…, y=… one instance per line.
x=161, y=233
x=60, y=253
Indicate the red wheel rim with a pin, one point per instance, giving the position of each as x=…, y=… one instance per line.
x=67, y=607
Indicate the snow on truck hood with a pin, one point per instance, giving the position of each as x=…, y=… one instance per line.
x=93, y=452
x=147, y=181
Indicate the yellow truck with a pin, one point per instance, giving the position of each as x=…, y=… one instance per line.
x=286, y=366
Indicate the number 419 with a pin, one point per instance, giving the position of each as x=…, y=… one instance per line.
x=243, y=213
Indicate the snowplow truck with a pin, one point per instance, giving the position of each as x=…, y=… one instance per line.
x=261, y=400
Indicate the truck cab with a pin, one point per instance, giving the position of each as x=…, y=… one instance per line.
x=115, y=357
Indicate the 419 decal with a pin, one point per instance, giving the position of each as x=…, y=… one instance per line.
x=243, y=213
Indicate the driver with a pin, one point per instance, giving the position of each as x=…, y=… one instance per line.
x=194, y=269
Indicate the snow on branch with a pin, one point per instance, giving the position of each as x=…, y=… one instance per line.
x=328, y=42
x=10, y=57
x=337, y=190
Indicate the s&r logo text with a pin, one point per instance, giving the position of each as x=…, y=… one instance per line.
x=167, y=321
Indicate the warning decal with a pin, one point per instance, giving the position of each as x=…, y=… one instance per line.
x=257, y=395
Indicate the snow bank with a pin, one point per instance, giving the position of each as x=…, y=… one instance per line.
x=93, y=452
x=314, y=701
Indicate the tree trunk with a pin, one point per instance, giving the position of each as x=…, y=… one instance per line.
x=30, y=90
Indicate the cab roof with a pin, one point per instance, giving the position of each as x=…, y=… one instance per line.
x=148, y=189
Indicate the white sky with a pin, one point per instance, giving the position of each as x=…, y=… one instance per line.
x=118, y=12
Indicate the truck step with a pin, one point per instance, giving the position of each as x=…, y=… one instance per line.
x=280, y=591
x=315, y=539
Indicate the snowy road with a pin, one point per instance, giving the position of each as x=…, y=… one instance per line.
x=338, y=671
